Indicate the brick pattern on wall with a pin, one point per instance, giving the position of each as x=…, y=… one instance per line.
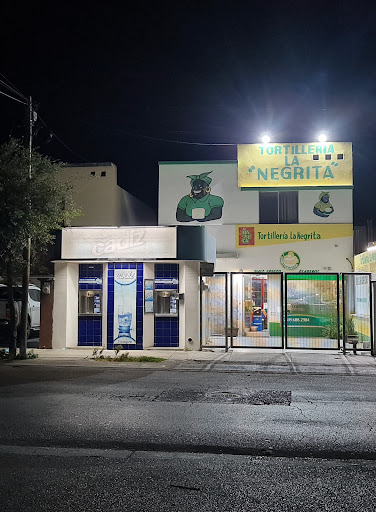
x=166, y=329
x=90, y=327
x=139, y=305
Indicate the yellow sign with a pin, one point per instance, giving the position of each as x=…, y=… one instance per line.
x=295, y=165
x=256, y=235
x=365, y=262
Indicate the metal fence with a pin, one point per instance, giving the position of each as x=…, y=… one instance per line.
x=291, y=310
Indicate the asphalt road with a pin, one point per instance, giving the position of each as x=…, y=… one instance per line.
x=126, y=438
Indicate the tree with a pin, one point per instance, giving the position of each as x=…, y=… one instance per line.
x=34, y=207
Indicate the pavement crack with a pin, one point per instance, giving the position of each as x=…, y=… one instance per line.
x=186, y=487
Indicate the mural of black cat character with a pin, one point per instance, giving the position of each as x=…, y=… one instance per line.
x=200, y=204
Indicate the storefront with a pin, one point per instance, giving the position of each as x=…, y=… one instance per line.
x=137, y=287
x=282, y=218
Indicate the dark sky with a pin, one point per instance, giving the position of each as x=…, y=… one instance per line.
x=116, y=84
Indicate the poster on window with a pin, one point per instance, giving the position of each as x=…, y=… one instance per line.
x=125, y=288
x=149, y=296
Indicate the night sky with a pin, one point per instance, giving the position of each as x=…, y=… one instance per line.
x=158, y=81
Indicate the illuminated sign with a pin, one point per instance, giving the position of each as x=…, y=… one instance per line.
x=295, y=165
x=365, y=262
x=118, y=243
x=257, y=235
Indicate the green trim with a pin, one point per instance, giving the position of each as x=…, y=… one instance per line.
x=209, y=162
x=329, y=187
x=312, y=277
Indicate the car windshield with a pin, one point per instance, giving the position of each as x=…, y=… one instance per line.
x=17, y=292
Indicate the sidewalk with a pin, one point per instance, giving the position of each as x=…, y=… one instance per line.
x=292, y=361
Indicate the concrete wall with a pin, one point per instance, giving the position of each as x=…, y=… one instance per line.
x=340, y=199
x=65, y=310
x=102, y=202
x=189, y=307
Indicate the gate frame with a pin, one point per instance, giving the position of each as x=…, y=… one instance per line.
x=338, y=309
x=225, y=274
x=344, y=350
x=281, y=304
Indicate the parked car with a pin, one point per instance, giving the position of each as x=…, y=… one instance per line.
x=33, y=307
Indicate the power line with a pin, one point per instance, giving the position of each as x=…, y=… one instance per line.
x=12, y=97
x=14, y=88
x=8, y=84
x=61, y=142
x=11, y=89
x=176, y=141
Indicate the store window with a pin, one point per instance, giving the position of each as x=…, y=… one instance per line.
x=279, y=207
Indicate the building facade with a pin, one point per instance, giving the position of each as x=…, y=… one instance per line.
x=282, y=218
x=256, y=252
x=134, y=287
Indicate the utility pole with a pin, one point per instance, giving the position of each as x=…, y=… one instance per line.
x=27, y=249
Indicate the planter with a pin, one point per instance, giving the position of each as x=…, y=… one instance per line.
x=352, y=339
x=234, y=330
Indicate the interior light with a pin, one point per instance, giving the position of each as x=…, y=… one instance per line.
x=322, y=137
x=371, y=246
x=265, y=139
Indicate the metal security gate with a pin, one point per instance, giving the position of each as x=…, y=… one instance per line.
x=357, y=312
x=243, y=309
x=312, y=311
x=256, y=318
x=214, y=311
x=291, y=311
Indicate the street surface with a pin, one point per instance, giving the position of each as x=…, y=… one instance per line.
x=187, y=435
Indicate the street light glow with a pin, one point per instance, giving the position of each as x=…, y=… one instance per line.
x=265, y=139
x=322, y=137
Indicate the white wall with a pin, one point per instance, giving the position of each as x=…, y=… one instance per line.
x=316, y=255
x=340, y=199
x=189, y=307
x=173, y=185
x=65, y=309
x=148, y=318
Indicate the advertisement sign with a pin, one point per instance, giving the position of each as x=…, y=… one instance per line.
x=295, y=165
x=365, y=262
x=118, y=243
x=271, y=234
x=125, y=288
x=149, y=296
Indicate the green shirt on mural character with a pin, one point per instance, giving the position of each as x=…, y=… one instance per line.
x=200, y=204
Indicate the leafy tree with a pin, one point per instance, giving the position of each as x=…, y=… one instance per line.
x=29, y=207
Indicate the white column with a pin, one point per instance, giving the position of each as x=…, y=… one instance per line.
x=189, y=307
x=104, y=304
x=148, y=318
x=65, y=309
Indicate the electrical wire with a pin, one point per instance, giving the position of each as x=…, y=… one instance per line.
x=8, y=84
x=13, y=98
x=61, y=142
x=14, y=88
x=4, y=84
x=177, y=141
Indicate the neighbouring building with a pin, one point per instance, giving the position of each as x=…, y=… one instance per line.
x=102, y=201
